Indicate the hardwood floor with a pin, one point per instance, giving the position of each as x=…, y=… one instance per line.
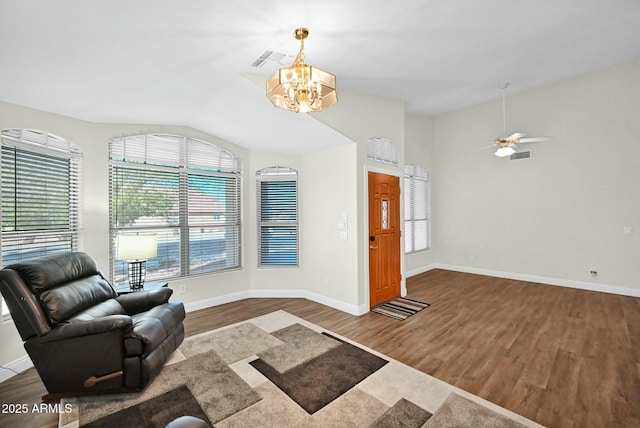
x=559, y=356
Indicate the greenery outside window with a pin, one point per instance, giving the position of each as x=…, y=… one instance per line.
x=40, y=196
x=277, y=191
x=187, y=192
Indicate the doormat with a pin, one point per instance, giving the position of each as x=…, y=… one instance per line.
x=400, y=308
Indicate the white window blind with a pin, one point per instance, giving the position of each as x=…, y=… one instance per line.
x=277, y=190
x=382, y=150
x=416, y=209
x=185, y=191
x=40, y=195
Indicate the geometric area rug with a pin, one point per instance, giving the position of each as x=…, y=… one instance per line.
x=279, y=370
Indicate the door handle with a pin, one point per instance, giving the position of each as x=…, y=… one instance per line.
x=373, y=247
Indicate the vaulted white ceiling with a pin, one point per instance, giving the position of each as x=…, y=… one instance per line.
x=189, y=62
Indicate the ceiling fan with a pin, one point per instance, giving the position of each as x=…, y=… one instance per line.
x=507, y=145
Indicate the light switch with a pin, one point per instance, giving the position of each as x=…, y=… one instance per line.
x=627, y=230
x=343, y=222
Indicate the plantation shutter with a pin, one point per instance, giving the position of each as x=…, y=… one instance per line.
x=277, y=217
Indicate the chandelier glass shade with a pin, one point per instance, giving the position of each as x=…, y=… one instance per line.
x=301, y=87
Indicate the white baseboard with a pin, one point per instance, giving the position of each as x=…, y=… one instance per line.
x=19, y=365
x=422, y=269
x=215, y=301
x=278, y=294
x=582, y=285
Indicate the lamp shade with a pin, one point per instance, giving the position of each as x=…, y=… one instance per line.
x=302, y=88
x=137, y=247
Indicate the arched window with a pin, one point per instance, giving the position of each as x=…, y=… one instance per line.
x=184, y=191
x=277, y=189
x=40, y=195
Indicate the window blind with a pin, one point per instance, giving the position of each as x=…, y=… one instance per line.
x=416, y=209
x=185, y=191
x=382, y=150
x=277, y=191
x=40, y=196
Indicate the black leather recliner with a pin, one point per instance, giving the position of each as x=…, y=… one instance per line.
x=80, y=335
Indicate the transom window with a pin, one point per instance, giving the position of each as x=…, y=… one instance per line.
x=183, y=190
x=277, y=190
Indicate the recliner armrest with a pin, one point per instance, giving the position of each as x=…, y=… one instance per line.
x=142, y=301
x=87, y=328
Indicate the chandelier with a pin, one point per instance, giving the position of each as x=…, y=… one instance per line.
x=301, y=87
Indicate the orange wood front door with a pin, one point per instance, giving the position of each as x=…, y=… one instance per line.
x=384, y=238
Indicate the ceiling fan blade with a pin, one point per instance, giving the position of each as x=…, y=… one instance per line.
x=515, y=136
x=533, y=139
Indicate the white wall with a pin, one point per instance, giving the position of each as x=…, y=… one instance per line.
x=419, y=151
x=560, y=213
x=360, y=117
x=331, y=262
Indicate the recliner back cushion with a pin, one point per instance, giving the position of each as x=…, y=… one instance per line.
x=66, y=300
x=65, y=283
x=49, y=272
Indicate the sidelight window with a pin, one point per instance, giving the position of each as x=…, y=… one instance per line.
x=416, y=209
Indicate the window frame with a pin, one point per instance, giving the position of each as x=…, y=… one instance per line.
x=276, y=174
x=412, y=175
x=193, y=159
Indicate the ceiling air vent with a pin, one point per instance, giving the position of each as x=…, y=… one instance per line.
x=278, y=58
x=520, y=155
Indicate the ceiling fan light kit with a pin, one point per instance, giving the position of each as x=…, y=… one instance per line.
x=504, y=151
x=301, y=87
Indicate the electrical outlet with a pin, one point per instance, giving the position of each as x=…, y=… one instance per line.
x=182, y=288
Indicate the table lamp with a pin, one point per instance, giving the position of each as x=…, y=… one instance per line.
x=137, y=249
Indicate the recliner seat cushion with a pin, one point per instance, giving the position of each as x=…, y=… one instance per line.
x=103, y=309
x=150, y=328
